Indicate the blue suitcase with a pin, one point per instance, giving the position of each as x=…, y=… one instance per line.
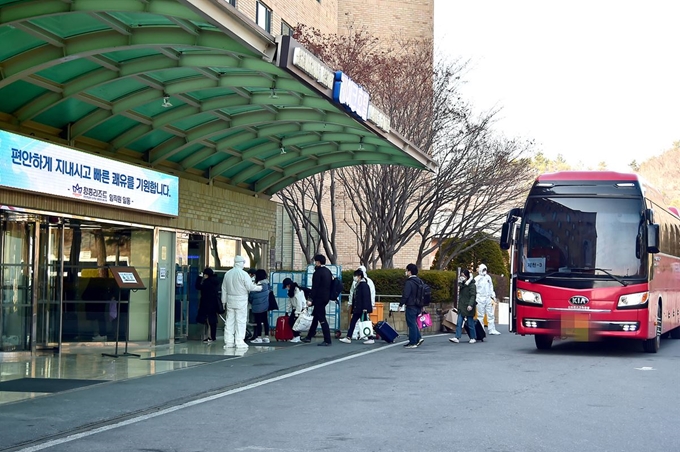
x=386, y=332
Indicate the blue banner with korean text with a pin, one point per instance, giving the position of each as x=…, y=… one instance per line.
x=37, y=166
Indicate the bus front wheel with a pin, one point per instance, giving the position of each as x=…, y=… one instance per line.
x=543, y=341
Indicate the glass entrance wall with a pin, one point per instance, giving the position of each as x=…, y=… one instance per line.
x=140, y=257
x=50, y=284
x=90, y=294
x=17, y=237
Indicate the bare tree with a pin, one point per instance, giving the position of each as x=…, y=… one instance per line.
x=393, y=205
x=481, y=179
x=303, y=202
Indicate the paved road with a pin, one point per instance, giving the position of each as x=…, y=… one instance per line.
x=500, y=395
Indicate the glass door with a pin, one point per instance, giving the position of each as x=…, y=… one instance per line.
x=17, y=239
x=50, y=286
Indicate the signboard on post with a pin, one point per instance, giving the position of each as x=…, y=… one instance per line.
x=127, y=278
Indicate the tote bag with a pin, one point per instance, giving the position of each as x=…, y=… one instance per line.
x=424, y=320
x=303, y=322
x=363, y=329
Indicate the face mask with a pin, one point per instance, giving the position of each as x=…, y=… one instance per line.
x=356, y=279
x=406, y=274
x=461, y=279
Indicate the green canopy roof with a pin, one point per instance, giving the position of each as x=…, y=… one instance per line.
x=185, y=87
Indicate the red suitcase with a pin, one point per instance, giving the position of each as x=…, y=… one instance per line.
x=284, y=332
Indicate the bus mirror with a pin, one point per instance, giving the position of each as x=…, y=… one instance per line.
x=649, y=214
x=652, y=238
x=506, y=236
x=514, y=213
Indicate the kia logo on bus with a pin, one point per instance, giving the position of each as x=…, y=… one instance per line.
x=578, y=300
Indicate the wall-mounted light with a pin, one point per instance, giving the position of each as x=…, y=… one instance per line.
x=272, y=94
x=361, y=144
x=166, y=102
x=283, y=150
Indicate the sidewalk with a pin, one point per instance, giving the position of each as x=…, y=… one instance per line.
x=117, y=388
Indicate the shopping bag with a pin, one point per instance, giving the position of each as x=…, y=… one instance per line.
x=424, y=320
x=303, y=322
x=363, y=329
x=451, y=316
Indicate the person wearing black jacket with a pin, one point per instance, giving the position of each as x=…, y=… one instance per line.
x=209, y=286
x=361, y=305
x=413, y=308
x=321, y=289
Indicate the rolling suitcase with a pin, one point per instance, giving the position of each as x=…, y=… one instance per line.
x=479, y=330
x=283, y=332
x=386, y=332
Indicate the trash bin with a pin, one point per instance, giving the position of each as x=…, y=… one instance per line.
x=377, y=315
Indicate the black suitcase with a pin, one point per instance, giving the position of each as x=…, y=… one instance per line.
x=479, y=330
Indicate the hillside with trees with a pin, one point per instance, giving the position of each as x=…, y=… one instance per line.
x=662, y=173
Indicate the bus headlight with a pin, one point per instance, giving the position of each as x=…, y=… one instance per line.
x=633, y=300
x=529, y=297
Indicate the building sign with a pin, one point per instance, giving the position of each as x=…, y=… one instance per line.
x=41, y=167
x=377, y=117
x=312, y=66
x=350, y=95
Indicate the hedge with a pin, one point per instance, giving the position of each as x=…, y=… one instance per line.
x=391, y=282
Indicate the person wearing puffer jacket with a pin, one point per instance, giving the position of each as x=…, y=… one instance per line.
x=235, y=288
x=466, y=306
x=259, y=304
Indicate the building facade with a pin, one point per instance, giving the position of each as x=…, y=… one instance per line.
x=150, y=137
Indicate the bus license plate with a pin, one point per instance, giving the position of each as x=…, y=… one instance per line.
x=576, y=326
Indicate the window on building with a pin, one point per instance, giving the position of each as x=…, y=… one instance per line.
x=232, y=3
x=286, y=30
x=264, y=17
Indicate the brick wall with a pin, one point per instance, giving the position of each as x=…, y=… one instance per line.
x=322, y=15
x=388, y=19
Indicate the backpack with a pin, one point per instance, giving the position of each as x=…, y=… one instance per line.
x=307, y=291
x=336, y=289
x=424, y=296
x=273, y=305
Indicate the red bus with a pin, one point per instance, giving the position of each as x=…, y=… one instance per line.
x=594, y=254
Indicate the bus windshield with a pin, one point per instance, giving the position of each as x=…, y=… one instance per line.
x=582, y=236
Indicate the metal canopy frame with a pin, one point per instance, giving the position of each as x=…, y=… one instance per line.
x=177, y=86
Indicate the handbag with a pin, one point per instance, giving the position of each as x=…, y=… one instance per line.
x=273, y=305
x=303, y=322
x=424, y=320
x=363, y=328
x=450, y=319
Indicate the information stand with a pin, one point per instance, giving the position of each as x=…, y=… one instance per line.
x=126, y=279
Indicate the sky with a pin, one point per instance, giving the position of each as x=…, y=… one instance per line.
x=595, y=81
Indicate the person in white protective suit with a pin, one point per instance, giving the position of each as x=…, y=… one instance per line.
x=485, y=298
x=235, y=288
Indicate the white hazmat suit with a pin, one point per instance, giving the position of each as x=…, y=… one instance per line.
x=485, y=298
x=235, y=288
